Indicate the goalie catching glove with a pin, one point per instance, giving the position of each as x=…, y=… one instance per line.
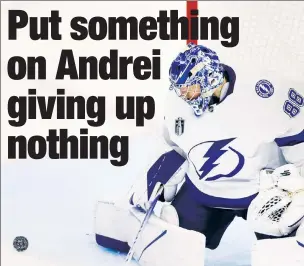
x=278, y=210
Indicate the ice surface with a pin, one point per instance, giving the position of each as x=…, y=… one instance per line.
x=52, y=203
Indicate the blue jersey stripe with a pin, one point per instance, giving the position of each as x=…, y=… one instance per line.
x=290, y=140
x=218, y=202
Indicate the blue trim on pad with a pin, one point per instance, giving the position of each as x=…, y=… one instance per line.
x=300, y=244
x=296, y=222
x=112, y=243
x=152, y=242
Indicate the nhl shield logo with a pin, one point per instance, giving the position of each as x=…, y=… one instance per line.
x=264, y=88
x=179, y=126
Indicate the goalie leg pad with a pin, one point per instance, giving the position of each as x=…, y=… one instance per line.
x=163, y=244
x=110, y=226
x=278, y=252
x=160, y=243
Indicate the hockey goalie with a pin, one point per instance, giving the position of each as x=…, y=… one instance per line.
x=236, y=139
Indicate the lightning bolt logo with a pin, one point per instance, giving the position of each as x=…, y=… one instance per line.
x=215, y=152
x=263, y=87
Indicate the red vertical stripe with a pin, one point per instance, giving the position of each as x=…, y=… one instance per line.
x=191, y=4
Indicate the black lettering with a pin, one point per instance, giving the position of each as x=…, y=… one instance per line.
x=81, y=108
x=64, y=142
x=233, y=34
x=96, y=108
x=84, y=143
x=83, y=67
x=123, y=66
x=12, y=147
x=122, y=153
x=142, y=63
x=98, y=36
x=163, y=21
x=36, y=147
x=214, y=24
x=16, y=108
x=40, y=68
x=156, y=64
x=111, y=63
x=17, y=19
x=125, y=111
x=184, y=28
x=103, y=143
x=67, y=57
x=141, y=113
x=16, y=68
x=81, y=31
x=146, y=24
x=52, y=138
x=123, y=28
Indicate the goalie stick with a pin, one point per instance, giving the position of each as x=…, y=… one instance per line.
x=143, y=224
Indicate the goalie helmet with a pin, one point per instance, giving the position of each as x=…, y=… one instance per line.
x=197, y=66
x=266, y=210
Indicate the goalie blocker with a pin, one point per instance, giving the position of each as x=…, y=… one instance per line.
x=160, y=243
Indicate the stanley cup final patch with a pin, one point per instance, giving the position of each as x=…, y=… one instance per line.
x=179, y=126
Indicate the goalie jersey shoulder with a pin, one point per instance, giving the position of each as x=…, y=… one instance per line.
x=263, y=103
x=274, y=102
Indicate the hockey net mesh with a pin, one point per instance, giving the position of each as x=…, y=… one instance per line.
x=274, y=34
x=271, y=34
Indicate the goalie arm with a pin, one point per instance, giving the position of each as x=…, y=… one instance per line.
x=291, y=142
x=285, y=183
x=292, y=146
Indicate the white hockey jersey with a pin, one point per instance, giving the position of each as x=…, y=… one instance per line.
x=258, y=124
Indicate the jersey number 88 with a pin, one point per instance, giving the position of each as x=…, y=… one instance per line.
x=292, y=106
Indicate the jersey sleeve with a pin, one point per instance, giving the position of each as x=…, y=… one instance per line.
x=292, y=141
x=291, y=108
x=292, y=146
x=164, y=160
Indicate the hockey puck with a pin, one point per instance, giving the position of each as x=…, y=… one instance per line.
x=20, y=243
